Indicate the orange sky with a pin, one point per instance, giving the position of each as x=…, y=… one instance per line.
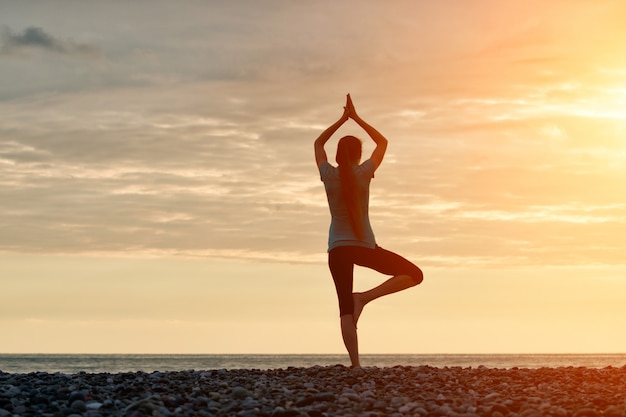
x=157, y=179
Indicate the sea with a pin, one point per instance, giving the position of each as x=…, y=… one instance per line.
x=120, y=363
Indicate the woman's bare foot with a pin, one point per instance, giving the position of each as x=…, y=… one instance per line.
x=359, y=303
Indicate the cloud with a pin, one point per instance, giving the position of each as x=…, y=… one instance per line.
x=195, y=138
x=37, y=38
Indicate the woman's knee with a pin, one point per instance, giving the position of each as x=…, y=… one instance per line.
x=417, y=276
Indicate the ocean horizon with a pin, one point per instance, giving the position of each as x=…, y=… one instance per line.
x=120, y=363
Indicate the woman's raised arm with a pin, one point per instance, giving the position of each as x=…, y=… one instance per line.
x=381, y=142
x=320, y=153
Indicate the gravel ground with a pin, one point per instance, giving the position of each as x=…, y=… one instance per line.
x=321, y=391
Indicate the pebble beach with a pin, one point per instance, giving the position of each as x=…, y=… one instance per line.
x=320, y=391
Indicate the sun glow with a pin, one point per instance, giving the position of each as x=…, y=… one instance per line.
x=610, y=103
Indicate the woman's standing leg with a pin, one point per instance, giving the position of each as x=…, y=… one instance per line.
x=350, y=339
x=342, y=269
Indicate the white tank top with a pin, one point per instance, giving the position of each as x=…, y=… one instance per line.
x=340, y=233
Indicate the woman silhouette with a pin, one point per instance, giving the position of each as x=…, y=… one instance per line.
x=351, y=239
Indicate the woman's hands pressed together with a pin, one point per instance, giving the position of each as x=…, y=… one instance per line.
x=349, y=112
x=349, y=108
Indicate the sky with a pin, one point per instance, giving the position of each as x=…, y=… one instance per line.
x=159, y=192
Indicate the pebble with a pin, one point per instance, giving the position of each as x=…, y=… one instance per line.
x=78, y=405
x=94, y=406
x=240, y=393
x=76, y=396
x=332, y=391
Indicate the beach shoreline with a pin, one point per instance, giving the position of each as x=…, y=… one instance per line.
x=320, y=391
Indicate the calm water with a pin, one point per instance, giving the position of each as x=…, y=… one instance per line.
x=150, y=363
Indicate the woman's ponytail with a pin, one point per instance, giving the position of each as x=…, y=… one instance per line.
x=348, y=156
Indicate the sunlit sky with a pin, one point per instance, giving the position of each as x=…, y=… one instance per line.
x=159, y=193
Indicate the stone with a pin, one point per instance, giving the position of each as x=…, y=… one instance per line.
x=499, y=408
x=78, y=405
x=586, y=412
x=240, y=393
x=613, y=411
x=94, y=405
x=368, y=394
x=491, y=396
x=76, y=396
x=421, y=411
x=19, y=409
x=351, y=396
x=248, y=402
x=12, y=390
x=397, y=402
x=343, y=400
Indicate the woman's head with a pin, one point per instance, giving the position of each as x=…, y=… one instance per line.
x=349, y=151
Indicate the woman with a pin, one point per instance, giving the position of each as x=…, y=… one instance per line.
x=351, y=239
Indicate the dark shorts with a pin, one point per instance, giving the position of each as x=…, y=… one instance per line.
x=341, y=261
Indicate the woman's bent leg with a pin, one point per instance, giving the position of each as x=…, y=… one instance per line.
x=405, y=275
x=393, y=284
